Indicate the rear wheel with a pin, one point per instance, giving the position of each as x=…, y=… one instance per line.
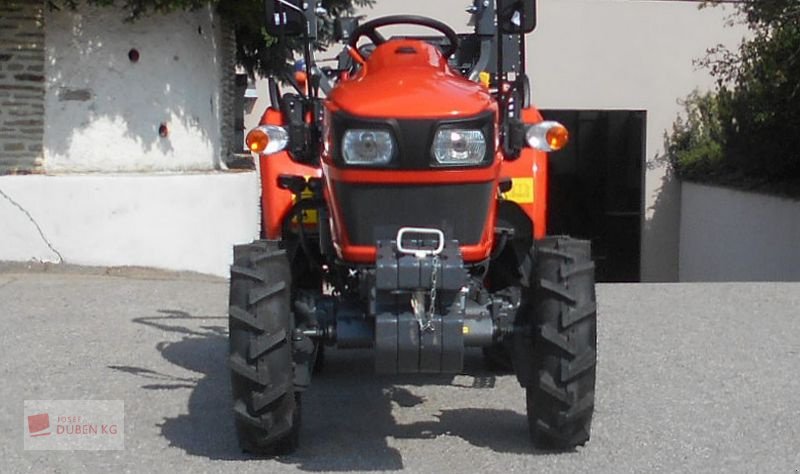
x=560, y=310
x=266, y=404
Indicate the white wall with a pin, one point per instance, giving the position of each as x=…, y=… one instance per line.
x=630, y=55
x=103, y=111
x=177, y=222
x=615, y=54
x=730, y=235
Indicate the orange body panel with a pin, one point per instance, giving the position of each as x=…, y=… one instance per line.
x=415, y=84
x=276, y=202
x=531, y=163
x=407, y=85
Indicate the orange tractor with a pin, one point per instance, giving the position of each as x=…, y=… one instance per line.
x=404, y=197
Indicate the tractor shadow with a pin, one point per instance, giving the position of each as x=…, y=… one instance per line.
x=347, y=414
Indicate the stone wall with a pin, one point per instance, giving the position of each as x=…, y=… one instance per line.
x=228, y=109
x=22, y=86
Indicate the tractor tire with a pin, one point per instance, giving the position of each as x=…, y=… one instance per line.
x=265, y=403
x=562, y=309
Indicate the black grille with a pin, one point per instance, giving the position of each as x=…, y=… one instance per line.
x=376, y=211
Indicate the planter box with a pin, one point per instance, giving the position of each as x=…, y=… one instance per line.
x=731, y=235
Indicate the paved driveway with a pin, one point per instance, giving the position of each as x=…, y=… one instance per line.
x=691, y=378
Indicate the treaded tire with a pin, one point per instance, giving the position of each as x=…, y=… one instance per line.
x=265, y=404
x=560, y=393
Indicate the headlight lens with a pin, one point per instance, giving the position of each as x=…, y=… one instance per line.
x=453, y=146
x=367, y=147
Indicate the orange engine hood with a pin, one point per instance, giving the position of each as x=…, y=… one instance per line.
x=409, y=79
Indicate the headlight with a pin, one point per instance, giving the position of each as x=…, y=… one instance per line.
x=367, y=147
x=453, y=146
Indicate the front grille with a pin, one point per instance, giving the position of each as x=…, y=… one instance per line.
x=375, y=212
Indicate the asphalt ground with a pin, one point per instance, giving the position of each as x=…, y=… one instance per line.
x=691, y=378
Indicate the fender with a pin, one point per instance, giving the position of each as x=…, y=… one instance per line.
x=276, y=202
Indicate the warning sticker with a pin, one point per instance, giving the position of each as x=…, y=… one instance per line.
x=309, y=215
x=521, y=191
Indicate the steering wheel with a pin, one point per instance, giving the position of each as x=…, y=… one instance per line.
x=369, y=28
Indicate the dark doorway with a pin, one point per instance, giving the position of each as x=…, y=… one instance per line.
x=596, y=186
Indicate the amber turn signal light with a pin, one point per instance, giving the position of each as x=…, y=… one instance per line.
x=557, y=137
x=547, y=136
x=267, y=139
x=257, y=140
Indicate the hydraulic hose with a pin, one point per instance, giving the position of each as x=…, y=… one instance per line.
x=483, y=60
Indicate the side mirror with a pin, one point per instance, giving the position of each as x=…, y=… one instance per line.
x=285, y=17
x=343, y=28
x=516, y=16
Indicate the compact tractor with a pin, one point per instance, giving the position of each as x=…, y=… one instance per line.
x=404, y=198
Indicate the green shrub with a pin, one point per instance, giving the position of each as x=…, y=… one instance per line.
x=695, y=146
x=747, y=132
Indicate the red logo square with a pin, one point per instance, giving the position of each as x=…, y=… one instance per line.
x=37, y=424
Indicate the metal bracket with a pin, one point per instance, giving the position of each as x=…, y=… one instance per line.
x=420, y=252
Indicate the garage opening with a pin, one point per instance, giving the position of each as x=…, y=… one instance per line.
x=596, y=186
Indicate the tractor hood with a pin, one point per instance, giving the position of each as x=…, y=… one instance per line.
x=409, y=79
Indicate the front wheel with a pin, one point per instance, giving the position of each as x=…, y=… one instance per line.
x=559, y=309
x=265, y=403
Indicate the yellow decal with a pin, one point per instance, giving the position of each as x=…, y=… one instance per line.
x=309, y=216
x=484, y=78
x=521, y=191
